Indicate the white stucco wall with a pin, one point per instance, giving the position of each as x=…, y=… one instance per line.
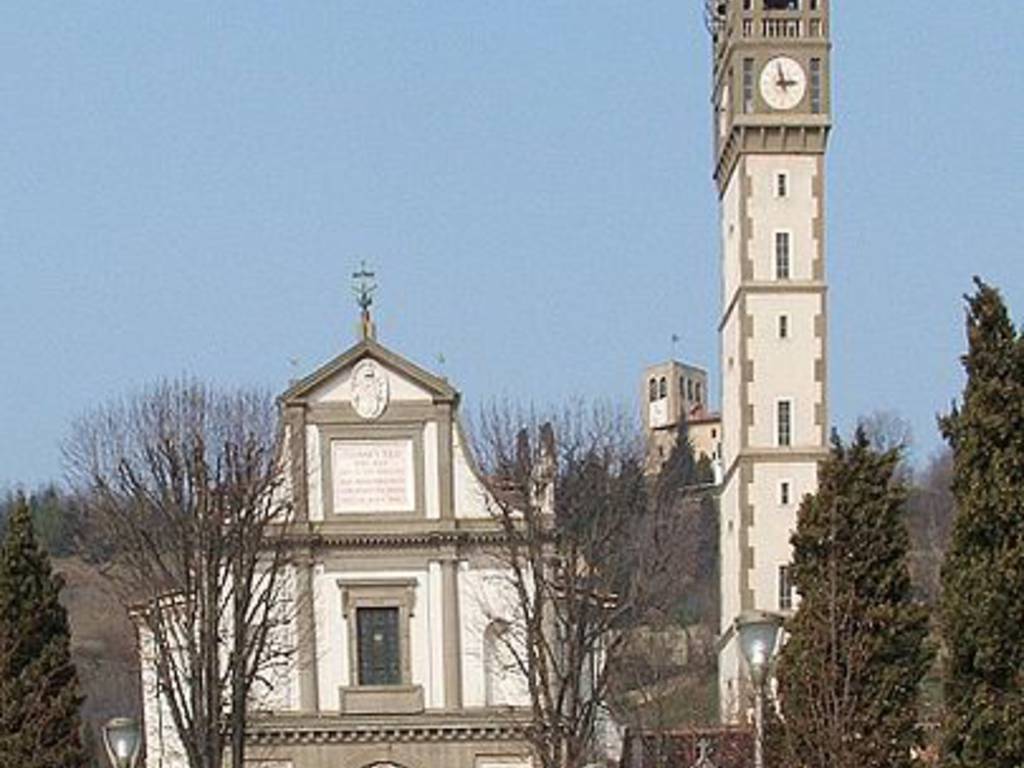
x=471, y=498
x=332, y=630
x=774, y=524
x=794, y=213
x=732, y=370
x=729, y=552
x=785, y=368
x=731, y=235
x=486, y=595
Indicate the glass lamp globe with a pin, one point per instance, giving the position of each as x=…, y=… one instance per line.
x=758, y=635
x=123, y=740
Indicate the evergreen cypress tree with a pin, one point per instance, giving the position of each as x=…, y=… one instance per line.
x=849, y=673
x=983, y=575
x=39, y=695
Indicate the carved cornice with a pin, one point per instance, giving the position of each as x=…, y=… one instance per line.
x=393, y=541
x=769, y=134
x=327, y=729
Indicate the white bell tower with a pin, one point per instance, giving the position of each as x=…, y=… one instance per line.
x=772, y=117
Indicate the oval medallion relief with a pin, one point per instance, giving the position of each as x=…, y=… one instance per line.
x=370, y=390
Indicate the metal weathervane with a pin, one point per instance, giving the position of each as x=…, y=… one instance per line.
x=363, y=286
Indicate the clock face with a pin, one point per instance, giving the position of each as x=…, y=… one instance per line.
x=783, y=83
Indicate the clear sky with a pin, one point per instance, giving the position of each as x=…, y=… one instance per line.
x=187, y=186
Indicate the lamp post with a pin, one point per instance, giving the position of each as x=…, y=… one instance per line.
x=123, y=741
x=758, y=633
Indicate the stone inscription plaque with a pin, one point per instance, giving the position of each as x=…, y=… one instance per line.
x=373, y=476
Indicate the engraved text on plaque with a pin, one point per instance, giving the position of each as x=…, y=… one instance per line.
x=373, y=476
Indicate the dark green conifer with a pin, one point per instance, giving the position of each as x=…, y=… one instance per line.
x=39, y=693
x=849, y=673
x=983, y=575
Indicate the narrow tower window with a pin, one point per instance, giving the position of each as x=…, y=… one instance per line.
x=785, y=493
x=783, y=326
x=784, y=424
x=663, y=387
x=652, y=390
x=782, y=256
x=815, y=86
x=748, y=86
x=698, y=393
x=782, y=184
x=785, y=588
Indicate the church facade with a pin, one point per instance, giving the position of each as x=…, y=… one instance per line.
x=399, y=595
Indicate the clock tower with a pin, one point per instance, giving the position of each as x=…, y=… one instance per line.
x=772, y=119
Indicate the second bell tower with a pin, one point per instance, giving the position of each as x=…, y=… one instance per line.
x=772, y=111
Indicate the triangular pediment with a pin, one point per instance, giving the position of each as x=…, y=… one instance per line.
x=330, y=382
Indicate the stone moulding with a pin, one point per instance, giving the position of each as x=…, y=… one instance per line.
x=280, y=732
x=397, y=540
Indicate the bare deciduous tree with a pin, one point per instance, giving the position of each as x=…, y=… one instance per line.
x=184, y=484
x=887, y=430
x=587, y=559
x=930, y=514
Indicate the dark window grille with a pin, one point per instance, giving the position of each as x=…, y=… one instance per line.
x=816, y=86
x=380, y=659
x=782, y=256
x=785, y=588
x=785, y=424
x=748, y=86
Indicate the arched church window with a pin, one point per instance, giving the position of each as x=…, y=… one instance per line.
x=663, y=387
x=652, y=390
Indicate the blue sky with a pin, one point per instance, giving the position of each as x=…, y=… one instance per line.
x=186, y=187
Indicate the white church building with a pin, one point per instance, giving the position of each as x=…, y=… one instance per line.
x=399, y=595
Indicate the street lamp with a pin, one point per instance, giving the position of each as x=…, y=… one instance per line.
x=758, y=637
x=123, y=740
